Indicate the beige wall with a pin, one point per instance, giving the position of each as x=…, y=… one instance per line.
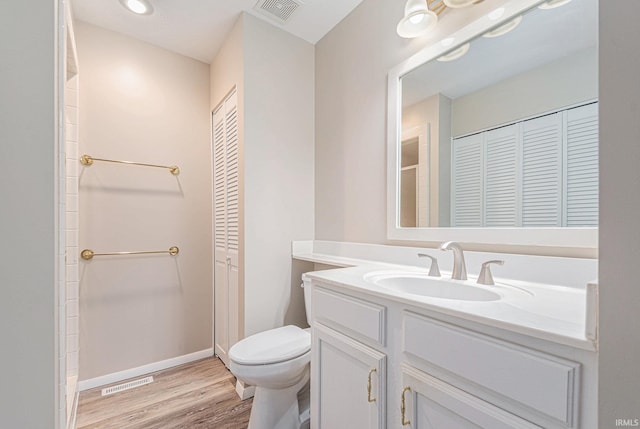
x=278, y=163
x=30, y=392
x=142, y=103
x=619, y=377
x=274, y=74
x=435, y=111
x=227, y=71
x=554, y=86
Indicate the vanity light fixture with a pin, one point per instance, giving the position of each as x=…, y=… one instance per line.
x=551, y=4
x=456, y=4
x=504, y=29
x=140, y=7
x=417, y=19
x=455, y=54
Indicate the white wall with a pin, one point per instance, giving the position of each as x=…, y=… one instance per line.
x=29, y=255
x=619, y=378
x=145, y=104
x=278, y=171
x=554, y=86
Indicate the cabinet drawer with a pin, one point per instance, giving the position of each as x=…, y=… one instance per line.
x=360, y=318
x=542, y=382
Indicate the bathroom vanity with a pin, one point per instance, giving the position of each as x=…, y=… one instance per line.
x=387, y=354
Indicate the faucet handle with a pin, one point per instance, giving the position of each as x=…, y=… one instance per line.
x=485, y=277
x=434, y=270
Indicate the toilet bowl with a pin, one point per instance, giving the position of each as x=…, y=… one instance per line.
x=277, y=363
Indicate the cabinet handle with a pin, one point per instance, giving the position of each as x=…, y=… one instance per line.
x=369, y=386
x=403, y=407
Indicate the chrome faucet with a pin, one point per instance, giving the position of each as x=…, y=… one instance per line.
x=434, y=271
x=459, y=268
x=485, y=277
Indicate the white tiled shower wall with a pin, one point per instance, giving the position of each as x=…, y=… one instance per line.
x=71, y=238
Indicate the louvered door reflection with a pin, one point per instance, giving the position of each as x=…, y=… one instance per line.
x=466, y=183
x=542, y=171
x=226, y=224
x=501, y=205
x=582, y=166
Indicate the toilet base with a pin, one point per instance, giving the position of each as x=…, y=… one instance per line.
x=277, y=408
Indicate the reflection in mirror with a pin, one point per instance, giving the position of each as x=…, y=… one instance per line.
x=506, y=135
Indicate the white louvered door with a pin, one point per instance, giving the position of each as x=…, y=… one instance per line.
x=226, y=225
x=582, y=166
x=502, y=166
x=467, y=184
x=542, y=171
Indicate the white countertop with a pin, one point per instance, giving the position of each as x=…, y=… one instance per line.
x=550, y=312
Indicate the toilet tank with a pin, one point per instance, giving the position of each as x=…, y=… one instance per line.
x=307, y=297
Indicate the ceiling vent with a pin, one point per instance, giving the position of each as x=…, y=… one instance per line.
x=279, y=10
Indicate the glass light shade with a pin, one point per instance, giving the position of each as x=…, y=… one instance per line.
x=459, y=3
x=417, y=20
x=504, y=29
x=140, y=7
x=455, y=54
x=551, y=4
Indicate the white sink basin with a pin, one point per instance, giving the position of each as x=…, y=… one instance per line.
x=433, y=287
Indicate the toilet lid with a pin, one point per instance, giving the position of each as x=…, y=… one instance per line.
x=273, y=346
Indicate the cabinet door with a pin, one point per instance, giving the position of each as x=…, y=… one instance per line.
x=433, y=404
x=347, y=383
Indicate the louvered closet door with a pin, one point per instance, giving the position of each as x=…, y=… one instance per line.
x=221, y=289
x=226, y=225
x=467, y=183
x=582, y=166
x=502, y=164
x=232, y=213
x=542, y=171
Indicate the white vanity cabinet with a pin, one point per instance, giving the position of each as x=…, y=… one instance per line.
x=348, y=377
x=431, y=370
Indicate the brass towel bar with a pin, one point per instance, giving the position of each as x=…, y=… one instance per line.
x=88, y=254
x=88, y=160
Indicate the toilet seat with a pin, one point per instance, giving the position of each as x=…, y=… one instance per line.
x=273, y=346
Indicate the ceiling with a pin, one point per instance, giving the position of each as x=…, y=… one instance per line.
x=542, y=37
x=197, y=28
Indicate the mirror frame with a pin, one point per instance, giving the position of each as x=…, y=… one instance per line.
x=543, y=237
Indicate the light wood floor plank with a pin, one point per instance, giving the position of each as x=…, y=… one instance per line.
x=198, y=395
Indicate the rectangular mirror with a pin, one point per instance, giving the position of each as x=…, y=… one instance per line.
x=493, y=132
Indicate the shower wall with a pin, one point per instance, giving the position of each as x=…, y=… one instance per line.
x=145, y=104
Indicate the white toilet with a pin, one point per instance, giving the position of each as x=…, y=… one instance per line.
x=277, y=363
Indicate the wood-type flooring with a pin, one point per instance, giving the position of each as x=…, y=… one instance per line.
x=197, y=395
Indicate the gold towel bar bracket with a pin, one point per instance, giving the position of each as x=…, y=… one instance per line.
x=88, y=254
x=88, y=161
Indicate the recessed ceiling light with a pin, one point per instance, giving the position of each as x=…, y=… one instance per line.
x=447, y=42
x=496, y=14
x=551, y=4
x=455, y=54
x=141, y=7
x=504, y=29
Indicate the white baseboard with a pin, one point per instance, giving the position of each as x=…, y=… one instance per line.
x=245, y=391
x=142, y=370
